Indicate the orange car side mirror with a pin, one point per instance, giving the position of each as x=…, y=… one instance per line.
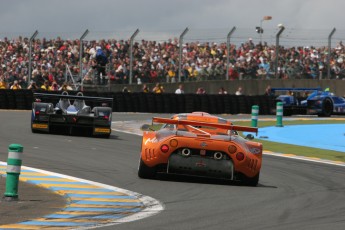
x=249, y=137
x=146, y=127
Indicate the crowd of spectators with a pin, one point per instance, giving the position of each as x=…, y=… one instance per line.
x=158, y=62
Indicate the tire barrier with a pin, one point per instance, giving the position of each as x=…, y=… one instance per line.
x=158, y=100
x=156, y=103
x=3, y=100
x=142, y=99
x=180, y=103
x=11, y=100
x=242, y=102
x=204, y=104
x=189, y=103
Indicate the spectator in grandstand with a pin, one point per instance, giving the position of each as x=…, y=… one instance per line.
x=265, y=65
x=145, y=89
x=268, y=91
x=125, y=90
x=54, y=86
x=3, y=84
x=222, y=91
x=239, y=91
x=233, y=73
x=45, y=85
x=171, y=76
x=193, y=73
x=200, y=91
x=158, y=88
x=65, y=87
x=101, y=61
x=185, y=73
x=87, y=78
x=15, y=85
x=179, y=90
x=33, y=85
x=59, y=77
x=261, y=73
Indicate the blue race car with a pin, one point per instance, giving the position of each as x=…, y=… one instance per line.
x=293, y=100
x=324, y=104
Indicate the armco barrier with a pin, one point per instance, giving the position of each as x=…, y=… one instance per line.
x=157, y=103
x=3, y=100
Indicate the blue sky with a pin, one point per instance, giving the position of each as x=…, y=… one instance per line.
x=157, y=18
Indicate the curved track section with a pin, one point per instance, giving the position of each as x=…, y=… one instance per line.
x=292, y=194
x=88, y=204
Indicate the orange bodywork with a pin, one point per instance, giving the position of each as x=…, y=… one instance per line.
x=207, y=138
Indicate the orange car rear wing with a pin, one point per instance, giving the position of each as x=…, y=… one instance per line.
x=200, y=123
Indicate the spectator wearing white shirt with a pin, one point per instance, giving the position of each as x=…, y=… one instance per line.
x=179, y=90
x=239, y=91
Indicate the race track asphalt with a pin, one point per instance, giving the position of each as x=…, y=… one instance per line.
x=292, y=194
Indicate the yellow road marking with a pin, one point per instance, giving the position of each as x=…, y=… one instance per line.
x=94, y=193
x=103, y=199
x=100, y=206
x=67, y=185
x=47, y=179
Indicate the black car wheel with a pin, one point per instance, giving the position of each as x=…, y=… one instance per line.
x=251, y=181
x=327, y=107
x=146, y=172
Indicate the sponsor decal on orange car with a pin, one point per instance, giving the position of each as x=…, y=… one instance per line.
x=149, y=140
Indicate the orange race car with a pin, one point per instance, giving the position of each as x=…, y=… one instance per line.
x=200, y=144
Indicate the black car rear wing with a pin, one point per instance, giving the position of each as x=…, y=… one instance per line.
x=52, y=97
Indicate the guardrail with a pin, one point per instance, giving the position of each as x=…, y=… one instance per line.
x=157, y=103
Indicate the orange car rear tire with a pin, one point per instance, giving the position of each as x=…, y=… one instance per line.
x=251, y=181
x=146, y=172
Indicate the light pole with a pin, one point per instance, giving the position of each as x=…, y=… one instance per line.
x=281, y=29
x=30, y=51
x=80, y=59
x=180, y=54
x=265, y=18
x=131, y=56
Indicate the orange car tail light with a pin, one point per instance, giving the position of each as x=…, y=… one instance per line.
x=232, y=149
x=164, y=148
x=240, y=156
x=173, y=143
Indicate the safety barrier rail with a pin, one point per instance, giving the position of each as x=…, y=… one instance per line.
x=157, y=103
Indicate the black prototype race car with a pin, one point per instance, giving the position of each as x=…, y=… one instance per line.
x=71, y=114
